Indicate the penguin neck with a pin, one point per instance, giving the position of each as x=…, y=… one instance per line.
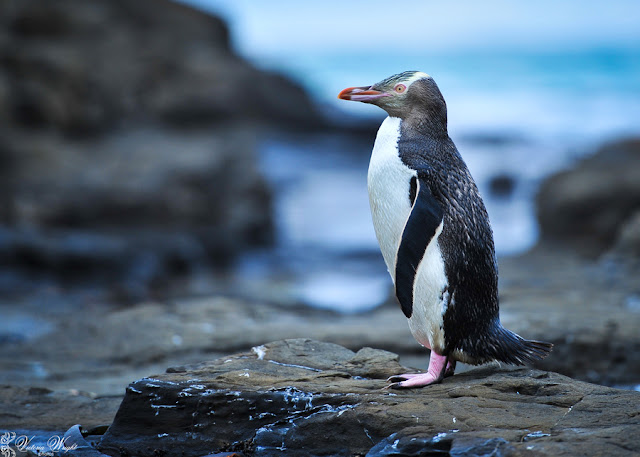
x=431, y=124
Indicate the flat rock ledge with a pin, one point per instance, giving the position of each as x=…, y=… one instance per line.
x=302, y=397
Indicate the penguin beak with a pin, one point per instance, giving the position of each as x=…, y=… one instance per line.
x=361, y=94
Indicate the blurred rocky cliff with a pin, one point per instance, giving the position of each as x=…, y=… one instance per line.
x=594, y=208
x=127, y=141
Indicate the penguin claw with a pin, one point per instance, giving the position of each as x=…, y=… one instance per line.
x=402, y=377
x=396, y=378
x=413, y=380
x=395, y=386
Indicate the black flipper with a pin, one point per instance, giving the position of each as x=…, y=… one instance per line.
x=424, y=219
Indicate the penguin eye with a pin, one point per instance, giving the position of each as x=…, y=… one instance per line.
x=400, y=88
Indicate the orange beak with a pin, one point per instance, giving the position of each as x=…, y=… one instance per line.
x=361, y=94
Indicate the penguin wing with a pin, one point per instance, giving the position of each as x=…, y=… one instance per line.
x=423, y=222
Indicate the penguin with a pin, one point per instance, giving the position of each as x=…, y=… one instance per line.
x=434, y=233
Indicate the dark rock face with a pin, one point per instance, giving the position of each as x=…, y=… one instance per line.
x=628, y=242
x=140, y=205
x=303, y=397
x=127, y=145
x=82, y=66
x=502, y=185
x=586, y=207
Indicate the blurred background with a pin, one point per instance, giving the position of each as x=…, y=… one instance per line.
x=529, y=88
x=153, y=150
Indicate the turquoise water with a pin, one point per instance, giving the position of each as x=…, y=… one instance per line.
x=568, y=96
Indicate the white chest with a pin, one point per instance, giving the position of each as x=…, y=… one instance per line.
x=389, y=181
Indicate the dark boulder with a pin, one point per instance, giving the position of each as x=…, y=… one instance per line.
x=502, y=185
x=133, y=209
x=83, y=66
x=586, y=207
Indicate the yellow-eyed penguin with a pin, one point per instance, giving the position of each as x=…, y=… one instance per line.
x=434, y=233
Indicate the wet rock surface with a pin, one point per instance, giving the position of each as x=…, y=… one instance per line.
x=305, y=397
x=38, y=408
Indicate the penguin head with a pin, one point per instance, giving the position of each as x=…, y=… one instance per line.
x=405, y=95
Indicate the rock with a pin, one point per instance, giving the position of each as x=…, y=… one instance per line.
x=555, y=295
x=34, y=408
x=585, y=207
x=304, y=397
x=84, y=66
x=502, y=185
x=135, y=208
x=628, y=242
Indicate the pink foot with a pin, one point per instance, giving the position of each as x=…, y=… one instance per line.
x=439, y=368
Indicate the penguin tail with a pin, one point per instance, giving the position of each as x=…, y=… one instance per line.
x=513, y=349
